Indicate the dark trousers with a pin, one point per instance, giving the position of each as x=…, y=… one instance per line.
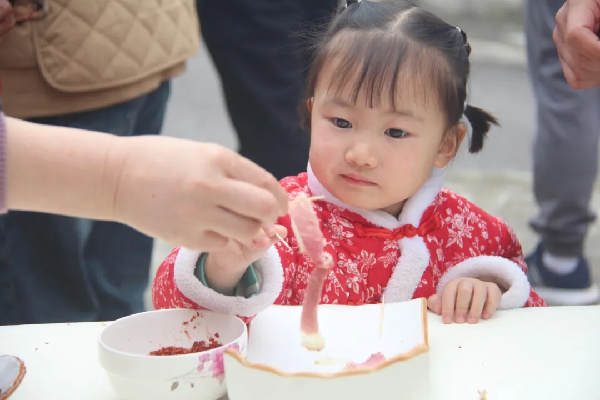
x=257, y=49
x=61, y=269
x=565, y=151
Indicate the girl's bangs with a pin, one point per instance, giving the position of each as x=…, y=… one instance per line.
x=384, y=68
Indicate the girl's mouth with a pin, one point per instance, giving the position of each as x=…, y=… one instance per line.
x=357, y=180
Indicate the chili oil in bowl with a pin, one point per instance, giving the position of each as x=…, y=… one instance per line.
x=173, y=354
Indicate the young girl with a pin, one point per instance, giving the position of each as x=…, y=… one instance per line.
x=386, y=103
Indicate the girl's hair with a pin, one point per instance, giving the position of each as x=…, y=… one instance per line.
x=393, y=46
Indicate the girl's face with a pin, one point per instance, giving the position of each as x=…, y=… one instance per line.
x=376, y=158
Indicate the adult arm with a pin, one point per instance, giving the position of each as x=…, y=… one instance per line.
x=193, y=194
x=61, y=170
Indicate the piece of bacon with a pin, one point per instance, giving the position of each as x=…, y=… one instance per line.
x=307, y=230
x=372, y=362
x=305, y=225
x=311, y=338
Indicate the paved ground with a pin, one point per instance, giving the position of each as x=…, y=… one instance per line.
x=497, y=179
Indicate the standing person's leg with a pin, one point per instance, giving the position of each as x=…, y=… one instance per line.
x=42, y=265
x=10, y=314
x=121, y=275
x=66, y=269
x=254, y=46
x=565, y=157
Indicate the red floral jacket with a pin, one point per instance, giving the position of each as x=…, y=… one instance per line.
x=438, y=236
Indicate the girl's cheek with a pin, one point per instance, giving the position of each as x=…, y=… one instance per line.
x=322, y=137
x=326, y=146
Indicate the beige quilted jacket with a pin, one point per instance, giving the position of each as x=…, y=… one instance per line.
x=88, y=54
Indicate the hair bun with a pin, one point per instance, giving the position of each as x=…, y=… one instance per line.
x=465, y=41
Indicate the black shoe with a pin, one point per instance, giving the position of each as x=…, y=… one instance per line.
x=573, y=289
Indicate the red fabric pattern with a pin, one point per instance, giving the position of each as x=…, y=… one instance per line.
x=365, y=255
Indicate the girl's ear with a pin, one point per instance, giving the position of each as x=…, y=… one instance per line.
x=450, y=144
x=309, y=105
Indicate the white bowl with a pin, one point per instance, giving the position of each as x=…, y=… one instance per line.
x=125, y=344
x=277, y=367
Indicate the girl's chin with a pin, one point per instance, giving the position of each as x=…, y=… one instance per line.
x=363, y=201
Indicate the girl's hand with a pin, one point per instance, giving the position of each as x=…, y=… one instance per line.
x=224, y=268
x=467, y=300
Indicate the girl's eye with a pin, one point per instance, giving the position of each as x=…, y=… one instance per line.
x=341, y=123
x=396, y=133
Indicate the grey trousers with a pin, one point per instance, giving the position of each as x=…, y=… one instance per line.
x=565, y=150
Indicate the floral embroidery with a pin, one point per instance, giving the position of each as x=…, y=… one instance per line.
x=460, y=225
x=389, y=259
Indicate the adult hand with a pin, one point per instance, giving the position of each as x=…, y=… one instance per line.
x=576, y=38
x=7, y=19
x=196, y=195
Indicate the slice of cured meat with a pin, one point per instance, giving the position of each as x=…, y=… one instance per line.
x=373, y=361
x=305, y=225
x=307, y=230
x=311, y=338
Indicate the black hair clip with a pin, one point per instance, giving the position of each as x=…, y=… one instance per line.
x=350, y=2
x=465, y=41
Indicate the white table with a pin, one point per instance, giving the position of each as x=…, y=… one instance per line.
x=528, y=354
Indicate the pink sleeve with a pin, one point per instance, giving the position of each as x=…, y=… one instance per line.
x=3, y=161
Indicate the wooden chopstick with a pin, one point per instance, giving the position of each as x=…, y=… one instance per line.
x=283, y=241
x=313, y=198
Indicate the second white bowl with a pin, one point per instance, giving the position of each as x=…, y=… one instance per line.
x=125, y=344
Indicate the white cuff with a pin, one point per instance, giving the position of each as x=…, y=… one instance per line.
x=505, y=271
x=269, y=273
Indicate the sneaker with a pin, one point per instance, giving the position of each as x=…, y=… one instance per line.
x=573, y=289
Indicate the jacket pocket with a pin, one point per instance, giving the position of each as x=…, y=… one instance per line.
x=83, y=46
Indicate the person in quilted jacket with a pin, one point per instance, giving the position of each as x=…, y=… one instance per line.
x=101, y=65
x=386, y=102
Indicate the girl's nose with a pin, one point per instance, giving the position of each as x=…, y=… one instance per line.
x=361, y=155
